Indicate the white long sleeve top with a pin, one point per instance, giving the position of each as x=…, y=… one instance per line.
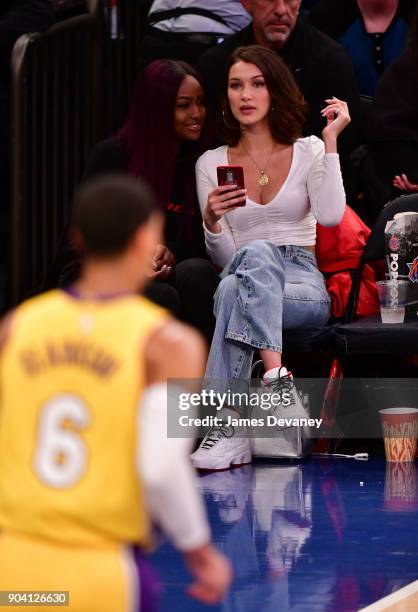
x=312, y=192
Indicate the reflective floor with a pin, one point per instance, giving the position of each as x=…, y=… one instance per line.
x=323, y=535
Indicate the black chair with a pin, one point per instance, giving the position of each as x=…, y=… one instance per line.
x=368, y=336
x=315, y=347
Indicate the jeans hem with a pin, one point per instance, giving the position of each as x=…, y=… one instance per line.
x=253, y=343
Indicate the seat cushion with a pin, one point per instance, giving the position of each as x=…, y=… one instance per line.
x=307, y=339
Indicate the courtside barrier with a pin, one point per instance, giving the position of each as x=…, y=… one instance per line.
x=56, y=107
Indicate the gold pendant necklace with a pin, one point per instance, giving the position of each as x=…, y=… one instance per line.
x=264, y=179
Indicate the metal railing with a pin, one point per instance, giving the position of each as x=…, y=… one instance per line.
x=70, y=88
x=55, y=122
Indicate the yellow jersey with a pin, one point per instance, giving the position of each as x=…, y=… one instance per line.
x=71, y=379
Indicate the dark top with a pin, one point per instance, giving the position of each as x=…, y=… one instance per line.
x=183, y=233
x=371, y=54
x=320, y=65
x=395, y=106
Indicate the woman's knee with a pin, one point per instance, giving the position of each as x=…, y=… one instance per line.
x=227, y=292
x=197, y=274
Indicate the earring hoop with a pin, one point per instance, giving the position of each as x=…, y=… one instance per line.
x=227, y=125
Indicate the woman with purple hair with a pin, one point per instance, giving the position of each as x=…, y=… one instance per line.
x=160, y=141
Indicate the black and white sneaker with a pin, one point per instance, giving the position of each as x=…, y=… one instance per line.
x=223, y=447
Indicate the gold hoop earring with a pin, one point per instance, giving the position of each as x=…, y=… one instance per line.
x=227, y=125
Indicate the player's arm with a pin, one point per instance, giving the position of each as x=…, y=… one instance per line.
x=177, y=352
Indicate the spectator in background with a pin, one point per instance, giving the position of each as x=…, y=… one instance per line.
x=184, y=29
x=393, y=135
x=374, y=33
x=160, y=141
x=321, y=67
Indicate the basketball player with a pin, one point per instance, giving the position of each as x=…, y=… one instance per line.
x=85, y=462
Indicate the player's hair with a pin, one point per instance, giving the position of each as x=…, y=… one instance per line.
x=108, y=211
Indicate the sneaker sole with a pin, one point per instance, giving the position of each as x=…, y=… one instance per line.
x=242, y=459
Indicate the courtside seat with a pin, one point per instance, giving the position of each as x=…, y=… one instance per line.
x=368, y=336
x=308, y=339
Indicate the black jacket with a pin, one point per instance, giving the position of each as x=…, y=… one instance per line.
x=321, y=67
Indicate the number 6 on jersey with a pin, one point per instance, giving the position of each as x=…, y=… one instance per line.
x=61, y=454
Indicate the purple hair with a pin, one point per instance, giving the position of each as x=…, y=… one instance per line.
x=148, y=134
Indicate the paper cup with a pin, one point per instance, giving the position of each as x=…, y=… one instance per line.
x=400, y=430
x=401, y=493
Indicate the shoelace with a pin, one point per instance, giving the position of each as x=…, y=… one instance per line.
x=216, y=433
x=283, y=383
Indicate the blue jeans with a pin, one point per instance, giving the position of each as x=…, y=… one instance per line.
x=264, y=289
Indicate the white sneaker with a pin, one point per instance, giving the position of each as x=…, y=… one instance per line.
x=279, y=380
x=223, y=448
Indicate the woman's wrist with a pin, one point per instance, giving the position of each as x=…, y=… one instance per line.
x=212, y=225
x=330, y=144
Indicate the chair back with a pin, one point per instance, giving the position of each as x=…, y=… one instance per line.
x=375, y=248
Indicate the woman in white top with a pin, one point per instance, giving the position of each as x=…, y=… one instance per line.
x=264, y=236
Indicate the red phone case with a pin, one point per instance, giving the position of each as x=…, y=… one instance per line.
x=231, y=175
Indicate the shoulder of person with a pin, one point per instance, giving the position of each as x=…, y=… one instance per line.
x=221, y=53
x=320, y=46
x=175, y=338
x=311, y=146
x=211, y=158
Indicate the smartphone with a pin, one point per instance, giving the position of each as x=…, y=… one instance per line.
x=231, y=175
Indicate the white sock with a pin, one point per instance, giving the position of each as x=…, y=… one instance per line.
x=275, y=373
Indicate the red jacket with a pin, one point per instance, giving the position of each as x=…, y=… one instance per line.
x=338, y=250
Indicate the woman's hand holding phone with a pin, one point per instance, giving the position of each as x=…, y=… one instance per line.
x=220, y=201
